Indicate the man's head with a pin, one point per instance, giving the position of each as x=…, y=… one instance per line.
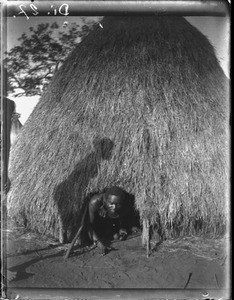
x=114, y=199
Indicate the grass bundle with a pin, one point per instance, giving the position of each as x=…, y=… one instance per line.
x=141, y=103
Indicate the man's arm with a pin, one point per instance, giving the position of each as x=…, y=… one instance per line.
x=94, y=206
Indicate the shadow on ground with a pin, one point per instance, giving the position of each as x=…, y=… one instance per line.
x=184, y=263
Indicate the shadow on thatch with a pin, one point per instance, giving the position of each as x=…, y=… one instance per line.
x=70, y=191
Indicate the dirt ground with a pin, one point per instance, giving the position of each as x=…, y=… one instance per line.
x=188, y=262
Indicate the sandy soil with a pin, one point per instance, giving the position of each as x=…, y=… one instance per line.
x=189, y=262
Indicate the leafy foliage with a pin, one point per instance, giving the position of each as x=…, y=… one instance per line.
x=31, y=65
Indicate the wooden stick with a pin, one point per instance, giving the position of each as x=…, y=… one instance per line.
x=78, y=232
x=73, y=242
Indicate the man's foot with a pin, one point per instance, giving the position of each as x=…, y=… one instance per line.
x=116, y=236
x=135, y=229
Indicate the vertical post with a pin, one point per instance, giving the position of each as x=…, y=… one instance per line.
x=146, y=236
x=62, y=230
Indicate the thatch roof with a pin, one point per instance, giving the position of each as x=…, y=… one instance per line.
x=141, y=103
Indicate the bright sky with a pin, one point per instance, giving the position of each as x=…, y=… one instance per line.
x=217, y=29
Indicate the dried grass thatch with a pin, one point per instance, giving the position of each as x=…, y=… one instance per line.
x=141, y=103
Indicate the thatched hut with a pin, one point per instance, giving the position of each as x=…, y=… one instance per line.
x=141, y=103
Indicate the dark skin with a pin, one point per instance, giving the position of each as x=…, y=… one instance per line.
x=109, y=217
